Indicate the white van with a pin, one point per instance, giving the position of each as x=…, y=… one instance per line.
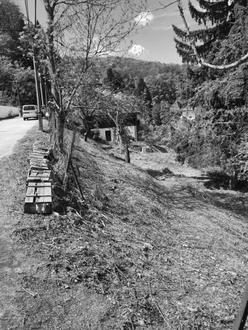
x=29, y=111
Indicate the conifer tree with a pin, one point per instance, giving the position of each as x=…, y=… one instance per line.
x=216, y=17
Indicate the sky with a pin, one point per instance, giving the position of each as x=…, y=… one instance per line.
x=153, y=39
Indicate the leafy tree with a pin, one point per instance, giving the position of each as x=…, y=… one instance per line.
x=6, y=77
x=16, y=83
x=97, y=28
x=118, y=107
x=23, y=87
x=11, y=25
x=87, y=106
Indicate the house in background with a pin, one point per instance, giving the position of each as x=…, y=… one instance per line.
x=110, y=134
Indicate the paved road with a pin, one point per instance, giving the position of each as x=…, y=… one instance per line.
x=12, y=130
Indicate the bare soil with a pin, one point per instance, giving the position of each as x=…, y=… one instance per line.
x=148, y=247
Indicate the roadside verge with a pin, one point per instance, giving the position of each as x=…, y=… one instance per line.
x=13, y=260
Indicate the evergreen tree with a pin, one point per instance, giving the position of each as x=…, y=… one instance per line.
x=114, y=80
x=217, y=18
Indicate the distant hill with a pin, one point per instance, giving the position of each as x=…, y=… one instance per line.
x=139, y=68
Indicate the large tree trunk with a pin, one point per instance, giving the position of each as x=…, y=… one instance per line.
x=58, y=127
x=244, y=50
x=52, y=127
x=127, y=154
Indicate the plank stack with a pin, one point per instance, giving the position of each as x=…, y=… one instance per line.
x=39, y=185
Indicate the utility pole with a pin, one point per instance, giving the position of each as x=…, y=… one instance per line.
x=37, y=93
x=35, y=66
x=36, y=74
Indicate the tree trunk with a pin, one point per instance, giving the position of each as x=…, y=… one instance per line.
x=127, y=154
x=60, y=131
x=244, y=50
x=86, y=135
x=58, y=128
x=52, y=127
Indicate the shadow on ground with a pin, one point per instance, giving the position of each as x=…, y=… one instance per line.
x=220, y=180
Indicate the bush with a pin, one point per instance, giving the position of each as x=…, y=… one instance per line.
x=216, y=138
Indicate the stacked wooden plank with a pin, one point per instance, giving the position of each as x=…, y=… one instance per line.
x=39, y=186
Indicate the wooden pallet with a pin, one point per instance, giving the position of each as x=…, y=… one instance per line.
x=39, y=187
x=38, y=198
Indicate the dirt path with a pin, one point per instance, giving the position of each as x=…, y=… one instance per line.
x=12, y=130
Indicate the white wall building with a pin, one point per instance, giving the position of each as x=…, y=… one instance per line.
x=110, y=134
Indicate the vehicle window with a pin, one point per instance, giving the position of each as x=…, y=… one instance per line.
x=29, y=107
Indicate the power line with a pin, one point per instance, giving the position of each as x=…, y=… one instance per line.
x=164, y=6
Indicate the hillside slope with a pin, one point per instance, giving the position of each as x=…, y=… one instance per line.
x=139, y=254
x=195, y=264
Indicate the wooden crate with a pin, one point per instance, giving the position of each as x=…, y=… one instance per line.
x=38, y=198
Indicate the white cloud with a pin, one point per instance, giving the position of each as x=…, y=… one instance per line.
x=144, y=18
x=136, y=50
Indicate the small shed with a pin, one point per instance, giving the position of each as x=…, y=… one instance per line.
x=110, y=134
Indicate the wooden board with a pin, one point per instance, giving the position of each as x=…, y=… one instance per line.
x=38, y=153
x=38, y=167
x=39, y=184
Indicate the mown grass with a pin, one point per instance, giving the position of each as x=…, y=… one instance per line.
x=133, y=254
x=8, y=112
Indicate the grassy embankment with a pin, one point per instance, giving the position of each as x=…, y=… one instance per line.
x=8, y=112
x=133, y=253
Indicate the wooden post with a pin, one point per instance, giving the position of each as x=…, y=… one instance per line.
x=243, y=312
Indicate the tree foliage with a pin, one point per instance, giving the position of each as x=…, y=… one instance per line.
x=11, y=25
x=219, y=96
x=95, y=28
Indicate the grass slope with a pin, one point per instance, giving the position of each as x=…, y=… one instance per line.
x=134, y=254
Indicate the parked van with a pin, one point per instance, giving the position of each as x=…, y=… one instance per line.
x=29, y=111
